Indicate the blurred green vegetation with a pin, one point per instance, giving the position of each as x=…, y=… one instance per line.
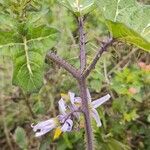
x=124, y=72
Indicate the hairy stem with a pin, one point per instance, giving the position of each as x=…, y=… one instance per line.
x=83, y=87
x=82, y=44
x=100, y=51
x=85, y=109
x=64, y=64
x=81, y=76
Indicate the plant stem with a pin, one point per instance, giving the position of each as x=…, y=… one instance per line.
x=64, y=64
x=83, y=87
x=81, y=76
x=85, y=109
x=82, y=44
x=100, y=51
x=29, y=107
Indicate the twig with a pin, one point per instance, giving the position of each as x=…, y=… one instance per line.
x=82, y=44
x=29, y=107
x=64, y=64
x=97, y=56
x=120, y=62
x=105, y=73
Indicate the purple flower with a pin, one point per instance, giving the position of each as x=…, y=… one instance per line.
x=45, y=126
x=94, y=104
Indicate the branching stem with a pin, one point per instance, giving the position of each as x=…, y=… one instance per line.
x=81, y=76
x=64, y=64
x=100, y=51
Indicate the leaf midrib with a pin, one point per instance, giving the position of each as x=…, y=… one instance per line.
x=27, y=55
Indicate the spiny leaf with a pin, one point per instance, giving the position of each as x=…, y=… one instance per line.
x=127, y=20
x=28, y=56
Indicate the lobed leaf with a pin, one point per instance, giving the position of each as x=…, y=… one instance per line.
x=28, y=56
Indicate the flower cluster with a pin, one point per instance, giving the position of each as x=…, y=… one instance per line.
x=64, y=121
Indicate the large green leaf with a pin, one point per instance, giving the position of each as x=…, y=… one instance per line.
x=38, y=18
x=79, y=7
x=127, y=20
x=28, y=56
x=7, y=22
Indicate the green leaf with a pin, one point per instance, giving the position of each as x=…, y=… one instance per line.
x=20, y=137
x=28, y=56
x=7, y=43
x=37, y=18
x=6, y=35
x=116, y=145
x=79, y=7
x=127, y=20
x=7, y=22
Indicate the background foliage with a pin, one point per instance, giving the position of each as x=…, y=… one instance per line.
x=124, y=72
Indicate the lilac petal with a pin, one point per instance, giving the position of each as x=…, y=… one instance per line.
x=42, y=124
x=44, y=127
x=61, y=118
x=42, y=132
x=95, y=115
x=67, y=126
x=71, y=95
x=77, y=100
x=62, y=106
x=88, y=95
x=100, y=101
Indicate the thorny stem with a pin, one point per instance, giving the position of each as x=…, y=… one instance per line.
x=100, y=51
x=64, y=64
x=81, y=76
x=83, y=87
x=86, y=112
x=82, y=44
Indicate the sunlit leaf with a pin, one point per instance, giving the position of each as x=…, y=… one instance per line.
x=127, y=20
x=79, y=7
x=37, y=18
x=7, y=22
